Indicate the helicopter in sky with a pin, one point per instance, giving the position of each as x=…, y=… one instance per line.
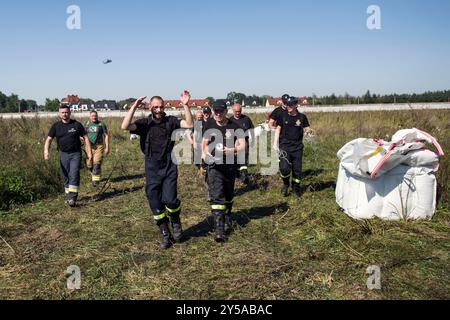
x=107, y=61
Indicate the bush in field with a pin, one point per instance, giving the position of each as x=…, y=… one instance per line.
x=24, y=176
x=13, y=189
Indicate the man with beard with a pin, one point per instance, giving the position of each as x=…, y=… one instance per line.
x=161, y=172
x=68, y=133
x=222, y=141
x=246, y=124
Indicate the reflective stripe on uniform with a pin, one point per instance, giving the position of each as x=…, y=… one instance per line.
x=96, y=178
x=296, y=180
x=219, y=207
x=243, y=168
x=73, y=189
x=284, y=177
x=160, y=216
x=66, y=190
x=173, y=210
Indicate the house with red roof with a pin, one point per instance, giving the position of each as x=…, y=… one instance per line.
x=71, y=99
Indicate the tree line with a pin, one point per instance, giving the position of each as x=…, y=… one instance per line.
x=12, y=103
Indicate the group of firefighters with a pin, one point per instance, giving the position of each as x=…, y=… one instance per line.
x=221, y=145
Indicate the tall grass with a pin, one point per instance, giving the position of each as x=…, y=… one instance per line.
x=24, y=176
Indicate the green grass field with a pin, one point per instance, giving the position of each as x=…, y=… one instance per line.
x=282, y=248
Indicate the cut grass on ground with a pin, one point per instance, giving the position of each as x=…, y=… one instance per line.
x=282, y=248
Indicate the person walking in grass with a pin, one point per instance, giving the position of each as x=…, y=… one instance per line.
x=223, y=141
x=68, y=133
x=99, y=139
x=161, y=172
x=246, y=124
x=291, y=126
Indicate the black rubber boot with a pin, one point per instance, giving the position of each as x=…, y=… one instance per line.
x=96, y=171
x=228, y=227
x=285, y=190
x=166, y=241
x=72, y=199
x=176, y=226
x=296, y=189
x=243, y=176
x=219, y=221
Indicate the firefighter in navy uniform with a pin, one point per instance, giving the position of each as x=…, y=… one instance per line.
x=291, y=126
x=223, y=143
x=68, y=133
x=161, y=172
x=246, y=124
x=277, y=112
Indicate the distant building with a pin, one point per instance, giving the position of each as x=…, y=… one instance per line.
x=71, y=99
x=228, y=102
x=176, y=104
x=106, y=105
x=250, y=102
x=80, y=107
x=276, y=102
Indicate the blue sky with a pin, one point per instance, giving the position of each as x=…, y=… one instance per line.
x=213, y=47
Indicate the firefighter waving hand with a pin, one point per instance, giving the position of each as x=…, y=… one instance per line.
x=161, y=172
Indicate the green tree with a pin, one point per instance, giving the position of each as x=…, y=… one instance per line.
x=51, y=105
x=32, y=105
x=3, y=100
x=367, y=98
x=211, y=100
x=236, y=97
x=12, y=103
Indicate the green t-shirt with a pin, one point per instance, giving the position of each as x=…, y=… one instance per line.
x=95, y=131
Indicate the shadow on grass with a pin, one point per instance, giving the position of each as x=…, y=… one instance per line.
x=312, y=172
x=318, y=186
x=257, y=182
x=117, y=192
x=242, y=218
x=128, y=177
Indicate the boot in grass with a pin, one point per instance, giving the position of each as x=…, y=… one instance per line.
x=228, y=227
x=176, y=226
x=219, y=221
x=285, y=190
x=166, y=241
x=296, y=190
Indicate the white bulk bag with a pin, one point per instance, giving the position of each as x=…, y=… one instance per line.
x=391, y=181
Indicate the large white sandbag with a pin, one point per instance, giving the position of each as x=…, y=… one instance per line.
x=406, y=193
x=361, y=156
x=374, y=157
